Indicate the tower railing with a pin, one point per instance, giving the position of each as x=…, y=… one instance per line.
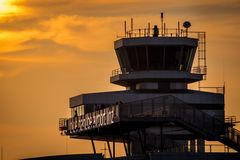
x=63, y=124
x=231, y=120
x=118, y=71
x=199, y=70
x=167, y=32
x=233, y=135
x=219, y=90
x=195, y=70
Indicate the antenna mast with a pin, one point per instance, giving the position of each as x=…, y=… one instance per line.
x=162, y=23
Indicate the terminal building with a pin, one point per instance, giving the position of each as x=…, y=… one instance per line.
x=157, y=116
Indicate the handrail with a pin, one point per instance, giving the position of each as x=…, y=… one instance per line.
x=116, y=72
x=220, y=90
x=167, y=32
x=63, y=124
x=199, y=70
x=231, y=120
x=233, y=135
x=172, y=107
x=195, y=70
x=169, y=106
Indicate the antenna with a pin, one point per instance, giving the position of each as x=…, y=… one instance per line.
x=148, y=29
x=164, y=29
x=223, y=74
x=162, y=23
x=125, y=28
x=131, y=32
x=131, y=24
x=178, y=31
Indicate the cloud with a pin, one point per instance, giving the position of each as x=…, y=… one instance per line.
x=50, y=45
x=45, y=52
x=212, y=10
x=39, y=52
x=36, y=46
x=11, y=72
x=98, y=8
x=38, y=11
x=20, y=22
x=89, y=8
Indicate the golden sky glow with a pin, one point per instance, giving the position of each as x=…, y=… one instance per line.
x=6, y=7
x=55, y=49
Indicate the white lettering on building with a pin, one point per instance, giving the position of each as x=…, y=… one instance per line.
x=93, y=120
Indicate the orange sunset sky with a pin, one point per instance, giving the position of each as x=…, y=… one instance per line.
x=55, y=49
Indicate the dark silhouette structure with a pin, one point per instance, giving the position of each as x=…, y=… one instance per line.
x=157, y=116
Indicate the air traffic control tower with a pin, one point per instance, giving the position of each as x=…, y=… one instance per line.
x=157, y=116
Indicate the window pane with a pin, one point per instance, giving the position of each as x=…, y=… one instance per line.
x=156, y=56
x=172, y=61
x=142, y=58
x=132, y=57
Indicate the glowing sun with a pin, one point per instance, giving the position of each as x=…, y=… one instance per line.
x=6, y=6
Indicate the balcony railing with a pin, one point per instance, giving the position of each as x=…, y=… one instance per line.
x=230, y=120
x=199, y=70
x=171, y=107
x=63, y=124
x=166, y=32
x=233, y=135
x=116, y=72
x=219, y=90
x=195, y=70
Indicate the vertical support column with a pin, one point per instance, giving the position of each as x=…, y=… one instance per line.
x=113, y=146
x=125, y=147
x=161, y=137
x=141, y=140
x=192, y=145
x=93, y=145
x=162, y=143
x=109, y=148
x=200, y=145
x=129, y=145
x=144, y=140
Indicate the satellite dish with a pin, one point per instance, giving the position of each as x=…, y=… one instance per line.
x=186, y=24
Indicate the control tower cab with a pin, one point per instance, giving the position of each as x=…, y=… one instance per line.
x=157, y=113
x=156, y=63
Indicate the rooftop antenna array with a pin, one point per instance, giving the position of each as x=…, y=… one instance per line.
x=163, y=31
